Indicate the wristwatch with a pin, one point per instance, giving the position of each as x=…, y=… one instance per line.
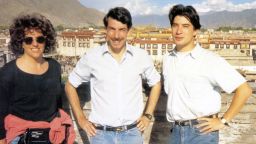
x=149, y=116
x=224, y=121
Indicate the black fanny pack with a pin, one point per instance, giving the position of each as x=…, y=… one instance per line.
x=40, y=136
x=35, y=136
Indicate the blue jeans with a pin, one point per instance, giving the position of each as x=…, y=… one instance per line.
x=131, y=136
x=15, y=140
x=192, y=135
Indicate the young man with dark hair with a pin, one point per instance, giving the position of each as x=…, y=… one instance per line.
x=193, y=79
x=115, y=71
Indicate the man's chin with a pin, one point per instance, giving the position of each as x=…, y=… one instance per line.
x=117, y=46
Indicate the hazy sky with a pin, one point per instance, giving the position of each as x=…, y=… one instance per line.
x=145, y=7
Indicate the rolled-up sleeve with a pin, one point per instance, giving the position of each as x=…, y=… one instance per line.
x=150, y=72
x=226, y=76
x=81, y=73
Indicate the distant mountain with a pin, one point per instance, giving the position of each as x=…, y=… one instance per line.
x=60, y=12
x=73, y=13
x=246, y=18
x=154, y=20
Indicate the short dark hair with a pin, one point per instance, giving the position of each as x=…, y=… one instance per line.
x=187, y=11
x=30, y=21
x=120, y=14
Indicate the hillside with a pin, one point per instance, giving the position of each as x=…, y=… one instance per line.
x=60, y=12
x=246, y=18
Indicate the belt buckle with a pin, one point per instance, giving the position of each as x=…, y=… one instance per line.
x=121, y=128
x=184, y=123
x=179, y=123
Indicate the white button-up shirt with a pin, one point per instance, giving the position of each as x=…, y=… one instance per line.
x=116, y=87
x=193, y=82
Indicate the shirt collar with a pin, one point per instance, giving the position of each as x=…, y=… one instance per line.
x=128, y=49
x=195, y=53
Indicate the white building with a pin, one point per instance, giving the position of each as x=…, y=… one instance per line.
x=75, y=43
x=156, y=48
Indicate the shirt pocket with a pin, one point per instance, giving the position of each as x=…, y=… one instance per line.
x=197, y=87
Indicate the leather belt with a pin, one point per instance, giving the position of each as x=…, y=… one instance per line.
x=192, y=121
x=116, y=129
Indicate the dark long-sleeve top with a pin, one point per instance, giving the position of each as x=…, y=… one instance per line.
x=29, y=96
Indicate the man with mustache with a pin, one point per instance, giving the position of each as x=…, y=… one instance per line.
x=193, y=80
x=115, y=71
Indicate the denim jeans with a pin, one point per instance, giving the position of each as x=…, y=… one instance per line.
x=131, y=136
x=191, y=135
x=15, y=140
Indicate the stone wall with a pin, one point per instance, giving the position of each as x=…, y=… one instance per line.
x=243, y=126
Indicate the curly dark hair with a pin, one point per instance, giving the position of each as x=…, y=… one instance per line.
x=28, y=21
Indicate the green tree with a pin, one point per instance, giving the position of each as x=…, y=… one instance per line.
x=59, y=28
x=3, y=27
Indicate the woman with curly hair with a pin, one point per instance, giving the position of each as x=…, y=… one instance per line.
x=30, y=87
